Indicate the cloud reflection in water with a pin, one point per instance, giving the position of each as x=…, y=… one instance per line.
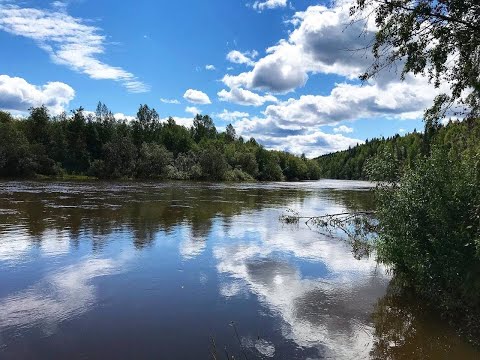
x=330, y=311
x=60, y=296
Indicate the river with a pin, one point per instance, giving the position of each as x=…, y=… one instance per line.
x=94, y=270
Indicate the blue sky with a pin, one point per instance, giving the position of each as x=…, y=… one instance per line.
x=281, y=71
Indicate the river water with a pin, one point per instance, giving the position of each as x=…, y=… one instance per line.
x=198, y=271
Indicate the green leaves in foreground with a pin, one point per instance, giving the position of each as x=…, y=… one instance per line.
x=429, y=227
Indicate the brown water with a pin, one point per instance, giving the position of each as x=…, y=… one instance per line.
x=192, y=271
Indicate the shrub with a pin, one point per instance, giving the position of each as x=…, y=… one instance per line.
x=429, y=227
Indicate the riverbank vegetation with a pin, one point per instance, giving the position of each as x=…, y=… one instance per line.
x=403, y=152
x=98, y=145
x=428, y=197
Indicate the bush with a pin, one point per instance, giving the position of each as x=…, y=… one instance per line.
x=213, y=163
x=429, y=227
x=154, y=161
x=237, y=175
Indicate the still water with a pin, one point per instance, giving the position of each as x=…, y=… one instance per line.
x=198, y=271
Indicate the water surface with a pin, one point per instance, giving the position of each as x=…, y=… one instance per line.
x=193, y=271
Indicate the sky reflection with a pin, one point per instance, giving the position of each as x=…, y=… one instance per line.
x=59, y=296
x=175, y=264
x=325, y=311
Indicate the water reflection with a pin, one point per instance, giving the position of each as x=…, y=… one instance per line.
x=406, y=328
x=178, y=262
x=60, y=296
x=328, y=310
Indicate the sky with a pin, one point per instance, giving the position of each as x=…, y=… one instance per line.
x=284, y=72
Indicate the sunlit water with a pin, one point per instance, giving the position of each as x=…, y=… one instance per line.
x=196, y=271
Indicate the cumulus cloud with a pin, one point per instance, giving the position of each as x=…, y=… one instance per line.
x=16, y=94
x=245, y=97
x=295, y=125
x=68, y=40
x=123, y=117
x=231, y=115
x=343, y=129
x=187, y=122
x=196, y=97
x=238, y=57
x=311, y=141
x=268, y=4
x=170, y=101
x=193, y=110
x=350, y=102
x=210, y=67
x=323, y=41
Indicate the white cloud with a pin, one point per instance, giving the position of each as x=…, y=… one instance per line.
x=68, y=40
x=187, y=122
x=60, y=5
x=343, y=129
x=169, y=101
x=245, y=97
x=210, y=67
x=289, y=137
x=16, y=94
x=268, y=4
x=350, y=102
x=122, y=116
x=196, y=97
x=324, y=40
x=193, y=110
x=231, y=115
x=238, y=57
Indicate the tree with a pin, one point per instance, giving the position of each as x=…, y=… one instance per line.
x=176, y=138
x=146, y=125
x=15, y=157
x=203, y=128
x=37, y=125
x=230, y=133
x=77, y=159
x=101, y=146
x=103, y=114
x=120, y=156
x=437, y=38
x=268, y=164
x=153, y=161
x=213, y=163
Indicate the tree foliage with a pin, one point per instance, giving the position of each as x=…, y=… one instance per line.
x=430, y=227
x=436, y=38
x=147, y=148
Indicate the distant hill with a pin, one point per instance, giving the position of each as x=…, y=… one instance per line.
x=350, y=164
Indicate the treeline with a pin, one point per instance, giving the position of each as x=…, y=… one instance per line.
x=100, y=146
x=350, y=164
x=404, y=150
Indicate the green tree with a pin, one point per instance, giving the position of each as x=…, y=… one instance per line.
x=153, y=161
x=438, y=38
x=203, y=128
x=15, y=156
x=213, y=163
x=230, y=133
x=119, y=160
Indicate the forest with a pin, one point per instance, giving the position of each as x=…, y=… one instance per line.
x=404, y=151
x=97, y=145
